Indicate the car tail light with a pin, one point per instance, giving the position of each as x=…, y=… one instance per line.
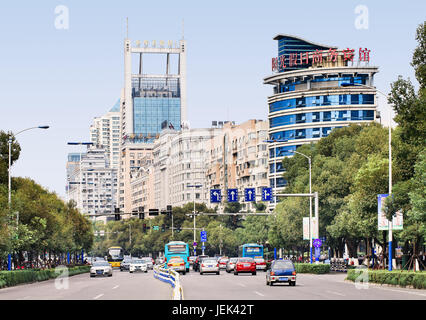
x=293, y=273
x=202, y=265
x=169, y=264
x=217, y=265
x=272, y=273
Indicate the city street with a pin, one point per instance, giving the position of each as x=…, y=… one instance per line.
x=143, y=286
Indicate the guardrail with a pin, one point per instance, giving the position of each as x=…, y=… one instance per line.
x=172, y=277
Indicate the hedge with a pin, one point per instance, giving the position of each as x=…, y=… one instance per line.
x=13, y=278
x=396, y=277
x=312, y=268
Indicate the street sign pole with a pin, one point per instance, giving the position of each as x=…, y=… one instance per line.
x=203, y=245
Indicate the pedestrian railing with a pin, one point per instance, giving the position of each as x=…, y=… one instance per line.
x=172, y=277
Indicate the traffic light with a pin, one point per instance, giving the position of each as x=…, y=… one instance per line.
x=144, y=227
x=141, y=212
x=163, y=227
x=178, y=229
x=169, y=210
x=117, y=217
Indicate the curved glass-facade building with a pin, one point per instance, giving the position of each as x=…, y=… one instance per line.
x=316, y=88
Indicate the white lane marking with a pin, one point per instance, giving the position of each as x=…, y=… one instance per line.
x=258, y=293
x=403, y=291
x=336, y=293
x=242, y=285
x=115, y=287
x=98, y=296
x=24, y=298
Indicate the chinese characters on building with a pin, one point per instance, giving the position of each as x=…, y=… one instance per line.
x=318, y=56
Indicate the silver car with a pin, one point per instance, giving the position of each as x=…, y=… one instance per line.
x=100, y=268
x=209, y=265
x=231, y=264
x=148, y=262
x=138, y=265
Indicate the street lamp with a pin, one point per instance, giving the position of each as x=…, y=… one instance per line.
x=194, y=186
x=275, y=141
x=81, y=180
x=10, y=160
x=390, y=161
x=310, y=204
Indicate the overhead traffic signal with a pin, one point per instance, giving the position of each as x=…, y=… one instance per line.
x=144, y=227
x=163, y=227
x=141, y=213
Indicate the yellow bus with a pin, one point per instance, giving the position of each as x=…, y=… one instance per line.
x=115, y=256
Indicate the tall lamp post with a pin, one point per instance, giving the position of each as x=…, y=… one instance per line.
x=390, y=161
x=9, y=260
x=310, y=204
x=194, y=186
x=10, y=160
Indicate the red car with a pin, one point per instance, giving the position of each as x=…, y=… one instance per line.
x=222, y=262
x=245, y=265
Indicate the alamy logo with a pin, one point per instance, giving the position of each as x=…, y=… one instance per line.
x=62, y=19
x=361, y=21
x=61, y=281
x=361, y=281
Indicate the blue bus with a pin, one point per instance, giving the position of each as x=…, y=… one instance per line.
x=252, y=250
x=177, y=248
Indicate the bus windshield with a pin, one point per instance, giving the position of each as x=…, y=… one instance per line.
x=176, y=248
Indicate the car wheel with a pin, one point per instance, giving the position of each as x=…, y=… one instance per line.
x=292, y=283
x=254, y=273
x=218, y=273
x=146, y=271
x=184, y=272
x=271, y=283
x=92, y=276
x=131, y=271
x=267, y=283
x=235, y=273
x=201, y=273
x=110, y=275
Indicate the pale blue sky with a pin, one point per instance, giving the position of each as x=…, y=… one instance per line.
x=65, y=78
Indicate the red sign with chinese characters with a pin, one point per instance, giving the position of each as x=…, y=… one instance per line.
x=318, y=56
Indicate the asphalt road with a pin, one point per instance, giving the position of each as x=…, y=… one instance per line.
x=143, y=286
x=121, y=286
x=308, y=287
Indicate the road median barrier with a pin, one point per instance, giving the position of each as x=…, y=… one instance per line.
x=171, y=277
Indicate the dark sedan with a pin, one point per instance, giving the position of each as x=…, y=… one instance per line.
x=281, y=271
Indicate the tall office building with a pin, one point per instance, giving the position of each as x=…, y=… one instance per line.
x=105, y=133
x=151, y=101
x=316, y=88
x=92, y=182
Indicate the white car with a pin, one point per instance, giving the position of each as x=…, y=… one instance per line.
x=148, y=261
x=260, y=264
x=138, y=265
x=100, y=268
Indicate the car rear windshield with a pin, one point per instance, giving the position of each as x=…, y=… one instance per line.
x=209, y=261
x=101, y=264
x=283, y=265
x=245, y=260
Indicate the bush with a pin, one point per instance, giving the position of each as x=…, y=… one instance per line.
x=401, y=278
x=13, y=278
x=312, y=268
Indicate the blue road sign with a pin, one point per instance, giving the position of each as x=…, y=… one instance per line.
x=203, y=236
x=249, y=194
x=317, y=243
x=215, y=195
x=232, y=195
x=203, y=248
x=317, y=253
x=266, y=194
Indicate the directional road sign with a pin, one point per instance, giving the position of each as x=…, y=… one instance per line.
x=232, y=195
x=266, y=194
x=203, y=236
x=215, y=195
x=249, y=194
x=317, y=243
x=203, y=248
